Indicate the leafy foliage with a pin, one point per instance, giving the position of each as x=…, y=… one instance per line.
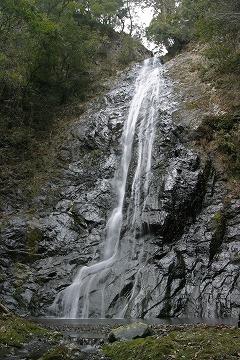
x=225, y=135
x=214, y=22
x=48, y=49
x=44, y=57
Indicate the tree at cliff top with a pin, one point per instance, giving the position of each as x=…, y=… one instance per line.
x=45, y=55
x=52, y=53
x=48, y=49
x=216, y=25
x=178, y=22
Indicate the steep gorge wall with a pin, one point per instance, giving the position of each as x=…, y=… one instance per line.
x=190, y=242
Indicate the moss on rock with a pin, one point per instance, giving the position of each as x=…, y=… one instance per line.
x=33, y=237
x=198, y=343
x=15, y=331
x=56, y=353
x=219, y=227
x=223, y=132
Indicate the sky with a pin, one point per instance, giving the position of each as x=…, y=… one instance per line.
x=143, y=18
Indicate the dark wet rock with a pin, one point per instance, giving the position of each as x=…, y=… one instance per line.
x=186, y=256
x=130, y=332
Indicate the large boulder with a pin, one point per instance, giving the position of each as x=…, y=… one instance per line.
x=129, y=332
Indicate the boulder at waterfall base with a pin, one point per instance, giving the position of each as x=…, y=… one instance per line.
x=130, y=332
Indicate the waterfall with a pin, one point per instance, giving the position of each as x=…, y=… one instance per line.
x=74, y=301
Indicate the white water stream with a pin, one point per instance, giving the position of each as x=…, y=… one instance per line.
x=74, y=301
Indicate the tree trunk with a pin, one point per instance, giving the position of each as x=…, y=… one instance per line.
x=130, y=17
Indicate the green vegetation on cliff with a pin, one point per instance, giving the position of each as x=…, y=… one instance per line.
x=213, y=27
x=197, y=343
x=213, y=22
x=223, y=132
x=48, y=52
x=54, y=55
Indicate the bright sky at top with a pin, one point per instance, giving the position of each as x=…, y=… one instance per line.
x=143, y=18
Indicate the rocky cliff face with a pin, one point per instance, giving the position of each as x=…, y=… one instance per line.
x=186, y=257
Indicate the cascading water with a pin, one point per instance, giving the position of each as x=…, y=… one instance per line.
x=75, y=300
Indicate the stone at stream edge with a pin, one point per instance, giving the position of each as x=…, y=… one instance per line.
x=130, y=332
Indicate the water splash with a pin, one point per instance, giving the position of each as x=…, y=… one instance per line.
x=74, y=301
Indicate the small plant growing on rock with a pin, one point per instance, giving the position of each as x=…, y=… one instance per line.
x=33, y=237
